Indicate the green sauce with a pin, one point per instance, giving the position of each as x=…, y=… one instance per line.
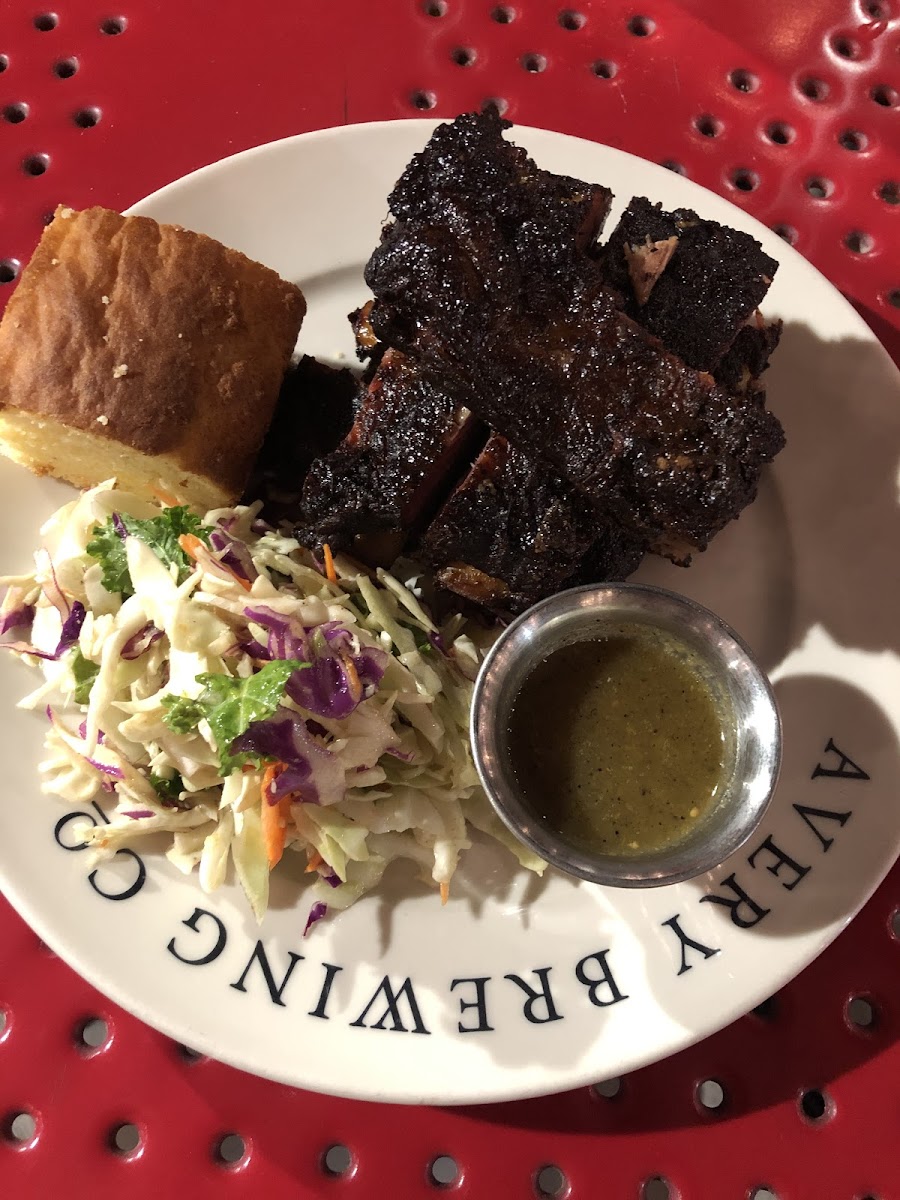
x=619, y=744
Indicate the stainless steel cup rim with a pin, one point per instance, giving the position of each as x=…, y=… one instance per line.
x=578, y=615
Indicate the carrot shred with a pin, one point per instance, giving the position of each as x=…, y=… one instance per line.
x=330, y=572
x=165, y=498
x=274, y=816
x=445, y=892
x=315, y=861
x=353, y=676
x=191, y=545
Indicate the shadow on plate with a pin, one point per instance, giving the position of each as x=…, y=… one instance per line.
x=819, y=545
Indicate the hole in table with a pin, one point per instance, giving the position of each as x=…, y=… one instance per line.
x=744, y=81
x=47, y=218
x=763, y=1193
x=852, y=139
x=113, y=26
x=4, y=63
x=676, y=168
x=4, y=1015
x=86, y=118
x=815, y=1106
x=230, y=1149
x=878, y=11
x=641, y=26
x=434, y=8
x=710, y=1095
x=861, y=1013
x=657, y=1188
x=503, y=15
x=608, y=1088
x=91, y=1034
x=893, y=298
x=780, y=133
x=819, y=188
x=550, y=1183
x=889, y=192
x=887, y=97
x=768, y=1010
x=36, y=164
x=496, y=102
x=65, y=68
x=463, y=56
x=788, y=234
x=20, y=1128
x=858, y=242
x=337, y=1160
x=844, y=46
x=15, y=114
x=443, y=1171
x=570, y=19
x=604, y=69
x=423, y=100
x=745, y=180
x=44, y=22
x=708, y=126
x=534, y=63
x=124, y=1139
x=814, y=89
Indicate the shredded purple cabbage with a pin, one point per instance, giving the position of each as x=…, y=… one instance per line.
x=255, y=649
x=338, y=680
x=316, y=913
x=330, y=877
x=105, y=769
x=286, y=636
x=285, y=738
x=27, y=648
x=16, y=618
x=119, y=526
x=233, y=554
x=71, y=627
x=82, y=733
x=139, y=643
x=64, y=603
x=403, y=755
x=138, y=814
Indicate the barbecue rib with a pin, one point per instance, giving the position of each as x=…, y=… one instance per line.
x=409, y=441
x=513, y=532
x=690, y=282
x=534, y=344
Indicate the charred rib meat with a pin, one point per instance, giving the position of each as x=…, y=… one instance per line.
x=513, y=532
x=537, y=347
x=383, y=482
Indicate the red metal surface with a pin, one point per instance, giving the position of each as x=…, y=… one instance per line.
x=702, y=85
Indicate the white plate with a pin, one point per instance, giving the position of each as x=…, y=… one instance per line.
x=810, y=575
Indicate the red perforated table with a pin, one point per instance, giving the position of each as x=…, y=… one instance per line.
x=791, y=110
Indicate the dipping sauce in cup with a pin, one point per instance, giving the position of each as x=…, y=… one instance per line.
x=626, y=734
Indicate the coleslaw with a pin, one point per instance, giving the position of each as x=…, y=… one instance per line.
x=235, y=693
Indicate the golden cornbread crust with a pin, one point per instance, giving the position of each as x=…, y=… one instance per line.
x=147, y=337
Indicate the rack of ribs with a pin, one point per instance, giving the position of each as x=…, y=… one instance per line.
x=526, y=332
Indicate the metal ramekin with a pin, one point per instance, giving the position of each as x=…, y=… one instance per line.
x=582, y=614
